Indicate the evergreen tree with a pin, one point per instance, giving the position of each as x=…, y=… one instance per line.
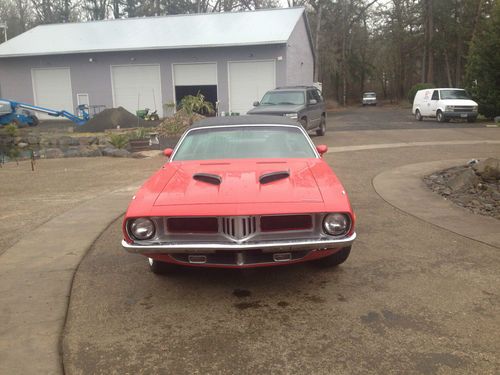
x=483, y=68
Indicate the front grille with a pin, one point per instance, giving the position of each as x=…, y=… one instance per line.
x=192, y=225
x=466, y=108
x=285, y=223
x=239, y=227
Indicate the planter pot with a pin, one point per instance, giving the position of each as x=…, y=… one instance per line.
x=139, y=145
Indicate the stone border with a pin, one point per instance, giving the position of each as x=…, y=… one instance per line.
x=36, y=276
x=405, y=189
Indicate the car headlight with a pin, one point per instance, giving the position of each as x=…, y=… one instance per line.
x=293, y=116
x=449, y=108
x=336, y=224
x=142, y=228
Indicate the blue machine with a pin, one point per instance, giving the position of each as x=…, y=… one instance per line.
x=21, y=114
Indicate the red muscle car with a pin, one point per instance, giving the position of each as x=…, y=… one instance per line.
x=242, y=191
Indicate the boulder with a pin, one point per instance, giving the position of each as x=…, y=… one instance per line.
x=33, y=139
x=68, y=141
x=89, y=151
x=463, y=181
x=72, y=152
x=52, y=153
x=488, y=169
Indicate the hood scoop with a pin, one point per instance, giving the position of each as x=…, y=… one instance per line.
x=273, y=176
x=208, y=178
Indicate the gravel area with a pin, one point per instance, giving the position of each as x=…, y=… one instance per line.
x=470, y=187
x=28, y=199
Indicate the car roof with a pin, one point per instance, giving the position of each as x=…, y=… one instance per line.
x=293, y=88
x=245, y=120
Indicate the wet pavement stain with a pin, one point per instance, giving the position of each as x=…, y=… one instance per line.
x=241, y=293
x=283, y=304
x=249, y=305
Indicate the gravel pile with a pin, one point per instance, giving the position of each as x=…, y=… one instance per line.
x=475, y=186
x=111, y=118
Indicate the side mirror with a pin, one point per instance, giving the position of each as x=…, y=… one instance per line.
x=313, y=101
x=168, y=152
x=322, y=149
x=256, y=104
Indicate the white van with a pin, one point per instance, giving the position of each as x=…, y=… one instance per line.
x=444, y=104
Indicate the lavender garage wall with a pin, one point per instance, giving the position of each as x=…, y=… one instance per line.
x=91, y=72
x=299, y=56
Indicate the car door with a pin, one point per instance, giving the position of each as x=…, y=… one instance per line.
x=313, y=113
x=434, y=103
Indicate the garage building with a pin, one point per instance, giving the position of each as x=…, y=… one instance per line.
x=137, y=63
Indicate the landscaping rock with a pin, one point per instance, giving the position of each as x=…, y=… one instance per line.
x=90, y=151
x=87, y=140
x=52, y=153
x=22, y=145
x=488, y=169
x=72, y=152
x=463, y=180
x=33, y=139
x=475, y=187
x=68, y=141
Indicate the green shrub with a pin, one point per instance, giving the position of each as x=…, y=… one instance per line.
x=118, y=140
x=140, y=133
x=11, y=130
x=196, y=104
x=417, y=87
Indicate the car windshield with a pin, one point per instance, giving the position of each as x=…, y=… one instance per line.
x=283, y=97
x=368, y=95
x=244, y=142
x=454, y=94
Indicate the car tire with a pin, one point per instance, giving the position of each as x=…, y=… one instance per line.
x=161, y=268
x=322, y=126
x=335, y=259
x=303, y=122
x=418, y=115
x=440, y=116
x=34, y=121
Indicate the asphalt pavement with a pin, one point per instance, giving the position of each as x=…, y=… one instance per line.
x=413, y=298
x=389, y=117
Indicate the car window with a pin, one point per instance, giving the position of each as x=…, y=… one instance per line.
x=435, y=95
x=454, y=94
x=244, y=142
x=369, y=95
x=310, y=95
x=283, y=97
x=317, y=96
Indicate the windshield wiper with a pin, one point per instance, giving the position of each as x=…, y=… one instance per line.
x=273, y=176
x=208, y=178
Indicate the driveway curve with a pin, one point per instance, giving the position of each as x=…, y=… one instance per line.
x=413, y=298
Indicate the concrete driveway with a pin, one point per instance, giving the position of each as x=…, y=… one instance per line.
x=413, y=298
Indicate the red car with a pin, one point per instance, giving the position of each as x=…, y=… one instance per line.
x=242, y=191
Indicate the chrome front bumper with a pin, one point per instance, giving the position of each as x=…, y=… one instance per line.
x=266, y=247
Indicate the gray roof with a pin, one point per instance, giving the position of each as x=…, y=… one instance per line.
x=245, y=120
x=271, y=26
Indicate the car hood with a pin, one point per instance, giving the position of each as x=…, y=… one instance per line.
x=459, y=102
x=270, y=109
x=240, y=183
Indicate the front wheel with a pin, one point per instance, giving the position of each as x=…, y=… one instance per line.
x=161, y=268
x=303, y=122
x=322, y=126
x=335, y=259
x=34, y=121
x=440, y=116
x=418, y=115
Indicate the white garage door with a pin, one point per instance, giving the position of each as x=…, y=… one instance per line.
x=195, y=74
x=248, y=82
x=137, y=87
x=52, y=89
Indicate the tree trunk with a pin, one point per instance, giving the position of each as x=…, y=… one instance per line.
x=448, y=72
x=430, y=35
